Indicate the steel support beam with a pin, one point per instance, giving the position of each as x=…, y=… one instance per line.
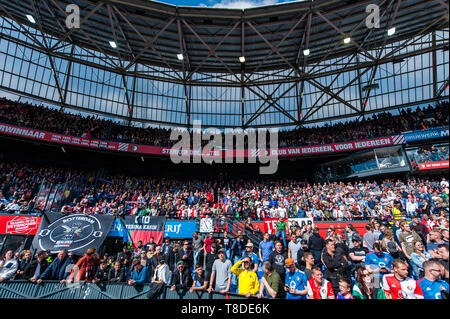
x=434, y=66
x=390, y=23
x=82, y=21
x=212, y=52
x=46, y=46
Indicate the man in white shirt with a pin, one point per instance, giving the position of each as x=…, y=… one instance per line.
x=12, y=207
x=162, y=272
x=273, y=212
x=281, y=211
x=220, y=280
x=411, y=206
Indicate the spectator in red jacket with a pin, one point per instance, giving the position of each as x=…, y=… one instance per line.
x=85, y=268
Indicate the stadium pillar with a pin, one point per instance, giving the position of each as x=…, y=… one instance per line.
x=434, y=64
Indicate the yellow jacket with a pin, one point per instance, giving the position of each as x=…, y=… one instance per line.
x=247, y=280
x=397, y=213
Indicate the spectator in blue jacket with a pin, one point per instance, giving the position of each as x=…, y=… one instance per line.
x=58, y=269
x=140, y=274
x=238, y=246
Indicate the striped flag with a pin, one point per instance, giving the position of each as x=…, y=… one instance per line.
x=123, y=147
x=398, y=139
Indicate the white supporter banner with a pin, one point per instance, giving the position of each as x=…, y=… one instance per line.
x=206, y=225
x=301, y=222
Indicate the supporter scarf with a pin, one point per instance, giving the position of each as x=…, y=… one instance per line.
x=91, y=264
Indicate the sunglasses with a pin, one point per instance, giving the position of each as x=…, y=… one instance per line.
x=438, y=270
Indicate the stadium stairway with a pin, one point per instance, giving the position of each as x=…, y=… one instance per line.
x=234, y=226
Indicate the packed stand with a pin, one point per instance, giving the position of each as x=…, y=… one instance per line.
x=378, y=125
x=122, y=195
x=399, y=260
x=428, y=154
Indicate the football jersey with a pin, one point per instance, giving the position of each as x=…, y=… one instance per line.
x=432, y=289
x=252, y=256
x=377, y=261
x=405, y=289
x=298, y=281
x=323, y=292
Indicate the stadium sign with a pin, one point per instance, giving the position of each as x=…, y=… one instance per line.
x=180, y=229
x=19, y=225
x=229, y=153
x=433, y=165
x=426, y=134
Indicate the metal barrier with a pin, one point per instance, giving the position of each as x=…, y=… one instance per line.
x=21, y=289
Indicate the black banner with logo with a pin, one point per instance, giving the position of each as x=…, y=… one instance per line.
x=75, y=233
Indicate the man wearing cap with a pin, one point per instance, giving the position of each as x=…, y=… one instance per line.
x=254, y=257
x=248, y=283
x=101, y=275
x=181, y=278
x=296, y=281
x=237, y=247
x=140, y=274
x=162, y=272
x=221, y=274
x=209, y=261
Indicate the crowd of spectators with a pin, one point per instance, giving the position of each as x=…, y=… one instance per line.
x=377, y=125
x=399, y=260
x=401, y=254
x=404, y=244
x=121, y=195
x=428, y=155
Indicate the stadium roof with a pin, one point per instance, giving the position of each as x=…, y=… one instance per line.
x=296, y=60
x=213, y=39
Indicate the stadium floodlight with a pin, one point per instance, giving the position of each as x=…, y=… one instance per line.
x=113, y=44
x=180, y=56
x=391, y=31
x=31, y=18
x=242, y=59
x=306, y=52
x=347, y=40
